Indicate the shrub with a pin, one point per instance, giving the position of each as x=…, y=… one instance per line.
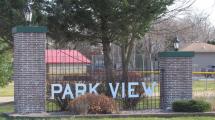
x=62, y=103
x=131, y=103
x=210, y=99
x=191, y=106
x=92, y=104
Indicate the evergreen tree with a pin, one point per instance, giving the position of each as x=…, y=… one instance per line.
x=104, y=21
x=11, y=15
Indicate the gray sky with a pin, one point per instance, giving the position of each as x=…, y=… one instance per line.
x=205, y=6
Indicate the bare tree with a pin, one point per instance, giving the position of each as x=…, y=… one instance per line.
x=191, y=28
x=188, y=28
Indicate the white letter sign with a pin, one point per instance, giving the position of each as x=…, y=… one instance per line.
x=131, y=90
x=54, y=91
x=115, y=88
x=79, y=92
x=67, y=91
x=92, y=89
x=149, y=90
x=114, y=92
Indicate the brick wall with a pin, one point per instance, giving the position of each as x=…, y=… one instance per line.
x=176, y=80
x=29, y=71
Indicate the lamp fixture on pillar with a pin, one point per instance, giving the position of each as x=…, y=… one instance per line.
x=176, y=43
x=28, y=12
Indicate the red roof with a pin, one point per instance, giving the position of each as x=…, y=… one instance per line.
x=66, y=56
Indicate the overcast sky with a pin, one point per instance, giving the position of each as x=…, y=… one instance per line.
x=205, y=6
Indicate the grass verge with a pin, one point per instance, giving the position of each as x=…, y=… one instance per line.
x=9, y=108
x=7, y=91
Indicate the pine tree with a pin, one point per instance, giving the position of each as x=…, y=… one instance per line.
x=104, y=21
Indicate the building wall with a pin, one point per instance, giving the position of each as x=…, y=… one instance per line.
x=202, y=60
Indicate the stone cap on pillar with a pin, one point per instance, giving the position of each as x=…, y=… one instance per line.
x=176, y=54
x=29, y=29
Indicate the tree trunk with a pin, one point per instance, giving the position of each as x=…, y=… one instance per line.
x=126, y=55
x=106, y=42
x=124, y=68
x=108, y=66
x=108, y=61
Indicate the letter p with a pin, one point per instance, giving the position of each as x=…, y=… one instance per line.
x=55, y=88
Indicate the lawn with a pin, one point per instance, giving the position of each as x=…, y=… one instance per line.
x=9, y=108
x=7, y=90
x=203, y=85
x=130, y=118
x=149, y=118
x=6, y=107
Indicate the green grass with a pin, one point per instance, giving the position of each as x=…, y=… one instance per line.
x=130, y=118
x=7, y=90
x=9, y=108
x=52, y=106
x=148, y=103
x=201, y=85
x=6, y=108
x=154, y=118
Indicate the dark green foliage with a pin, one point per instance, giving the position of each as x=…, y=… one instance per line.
x=191, y=106
x=62, y=103
x=11, y=15
x=5, y=68
x=96, y=20
x=131, y=103
x=104, y=21
x=211, y=42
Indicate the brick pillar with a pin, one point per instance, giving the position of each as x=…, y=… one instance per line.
x=29, y=69
x=175, y=77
